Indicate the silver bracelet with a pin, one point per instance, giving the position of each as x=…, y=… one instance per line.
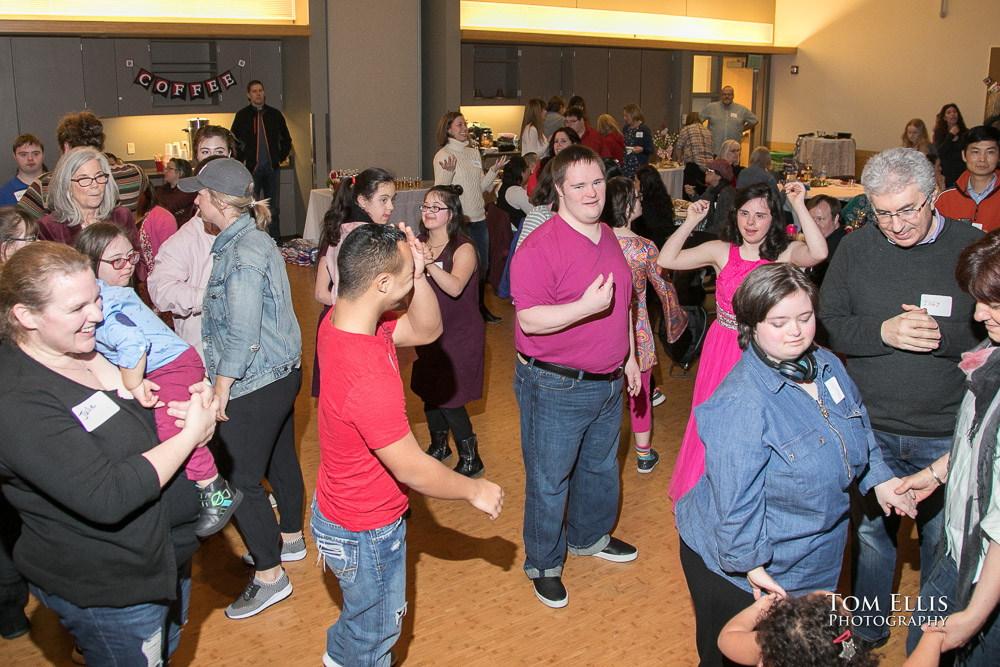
x=931, y=468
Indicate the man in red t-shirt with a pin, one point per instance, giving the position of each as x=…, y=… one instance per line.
x=368, y=455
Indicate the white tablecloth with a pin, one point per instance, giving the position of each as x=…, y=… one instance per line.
x=673, y=178
x=837, y=155
x=407, y=209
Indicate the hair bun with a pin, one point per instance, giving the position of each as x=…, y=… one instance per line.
x=457, y=188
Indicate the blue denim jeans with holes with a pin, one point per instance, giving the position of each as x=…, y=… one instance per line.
x=371, y=569
x=874, y=546
x=569, y=440
x=125, y=636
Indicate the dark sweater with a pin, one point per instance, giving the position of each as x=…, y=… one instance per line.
x=906, y=393
x=97, y=531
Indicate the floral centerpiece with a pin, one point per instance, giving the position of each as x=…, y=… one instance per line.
x=664, y=141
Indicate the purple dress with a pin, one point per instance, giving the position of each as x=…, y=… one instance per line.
x=448, y=373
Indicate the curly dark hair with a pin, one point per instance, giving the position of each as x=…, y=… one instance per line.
x=800, y=632
x=941, y=125
x=775, y=241
x=656, y=202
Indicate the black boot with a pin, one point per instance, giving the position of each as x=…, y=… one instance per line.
x=439, y=448
x=483, y=310
x=469, y=463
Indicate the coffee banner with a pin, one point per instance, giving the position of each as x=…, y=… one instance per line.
x=184, y=90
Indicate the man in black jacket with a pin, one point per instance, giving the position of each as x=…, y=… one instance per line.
x=262, y=151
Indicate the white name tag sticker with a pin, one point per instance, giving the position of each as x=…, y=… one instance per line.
x=638, y=134
x=836, y=393
x=440, y=265
x=936, y=305
x=95, y=410
x=732, y=114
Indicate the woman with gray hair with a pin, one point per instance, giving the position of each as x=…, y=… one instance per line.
x=81, y=193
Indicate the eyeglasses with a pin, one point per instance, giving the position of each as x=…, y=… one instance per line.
x=434, y=209
x=170, y=168
x=26, y=239
x=121, y=262
x=906, y=215
x=86, y=181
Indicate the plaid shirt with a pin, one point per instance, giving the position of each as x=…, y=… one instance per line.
x=695, y=145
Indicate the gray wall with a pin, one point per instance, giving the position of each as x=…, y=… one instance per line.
x=441, y=72
x=374, y=61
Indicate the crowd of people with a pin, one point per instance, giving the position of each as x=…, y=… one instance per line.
x=152, y=358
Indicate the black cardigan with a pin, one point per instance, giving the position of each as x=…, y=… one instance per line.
x=97, y=530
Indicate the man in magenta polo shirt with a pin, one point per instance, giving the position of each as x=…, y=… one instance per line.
x=571, y=288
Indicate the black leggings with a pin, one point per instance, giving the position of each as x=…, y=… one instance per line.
x=258, y=441
x=444, y=419
x=716, y=600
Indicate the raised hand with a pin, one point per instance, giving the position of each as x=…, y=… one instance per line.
x=449, y=163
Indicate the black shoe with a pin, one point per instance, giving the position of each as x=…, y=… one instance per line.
x=13, y=622
x=469, y=463
x=488, y=316
x=218, y=504
x=439, y=448
x=618, y=551
x=646, y=465
x=551, y=592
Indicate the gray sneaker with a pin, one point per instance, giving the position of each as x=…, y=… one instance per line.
x=259, y=596
x=290, y=551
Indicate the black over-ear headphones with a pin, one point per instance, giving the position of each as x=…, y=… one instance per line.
x=803, y=369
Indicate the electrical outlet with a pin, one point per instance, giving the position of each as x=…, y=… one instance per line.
x=130, y=148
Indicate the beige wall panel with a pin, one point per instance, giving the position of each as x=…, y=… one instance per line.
x=375, y=85
x=868, y=67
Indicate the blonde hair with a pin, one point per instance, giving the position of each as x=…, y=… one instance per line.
x=923, y=141
x=606, y=125
x=727, y=145
x=260, y=211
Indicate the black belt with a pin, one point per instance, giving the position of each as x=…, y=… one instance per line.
x=574, y=373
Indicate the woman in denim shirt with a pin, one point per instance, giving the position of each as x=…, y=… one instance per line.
x=785, y=438
x=252, y=346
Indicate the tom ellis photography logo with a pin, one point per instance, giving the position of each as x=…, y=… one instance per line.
x=904, y=611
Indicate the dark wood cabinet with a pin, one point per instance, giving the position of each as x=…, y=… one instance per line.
x=590, y=79
x=541, y=72
x=100, y=89
x=660, y=97
x=48, y=76
x=131, y=55
x=624, y=77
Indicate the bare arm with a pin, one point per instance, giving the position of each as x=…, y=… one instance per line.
x=960, y=627
x=675, y=256
x=422, y=322
x=426, y=475
x=322, y=290
x=814, y=250
x=738, y=639
x=453, y=283
x=546, y=319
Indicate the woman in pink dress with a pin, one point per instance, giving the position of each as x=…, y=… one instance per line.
x=752, y=235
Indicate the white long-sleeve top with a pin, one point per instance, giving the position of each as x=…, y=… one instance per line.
x=179, y=278
x=533, y=142
x=468, y=173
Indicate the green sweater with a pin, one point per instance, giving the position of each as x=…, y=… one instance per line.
x=906, y=393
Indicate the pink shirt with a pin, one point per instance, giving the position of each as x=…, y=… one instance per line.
x=555, y=265
x=177, y=282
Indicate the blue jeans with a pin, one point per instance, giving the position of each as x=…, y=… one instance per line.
x=125, y=636
x=371, y=569
x=983, y=648
x=267, y=185
x=874, y=548
x=569, y=439
x=480, y=235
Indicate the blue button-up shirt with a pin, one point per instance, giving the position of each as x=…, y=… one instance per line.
x=130, y=329
x=777, y=474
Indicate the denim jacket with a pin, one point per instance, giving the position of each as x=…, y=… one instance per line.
x=249, y=329
x=777, y=474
